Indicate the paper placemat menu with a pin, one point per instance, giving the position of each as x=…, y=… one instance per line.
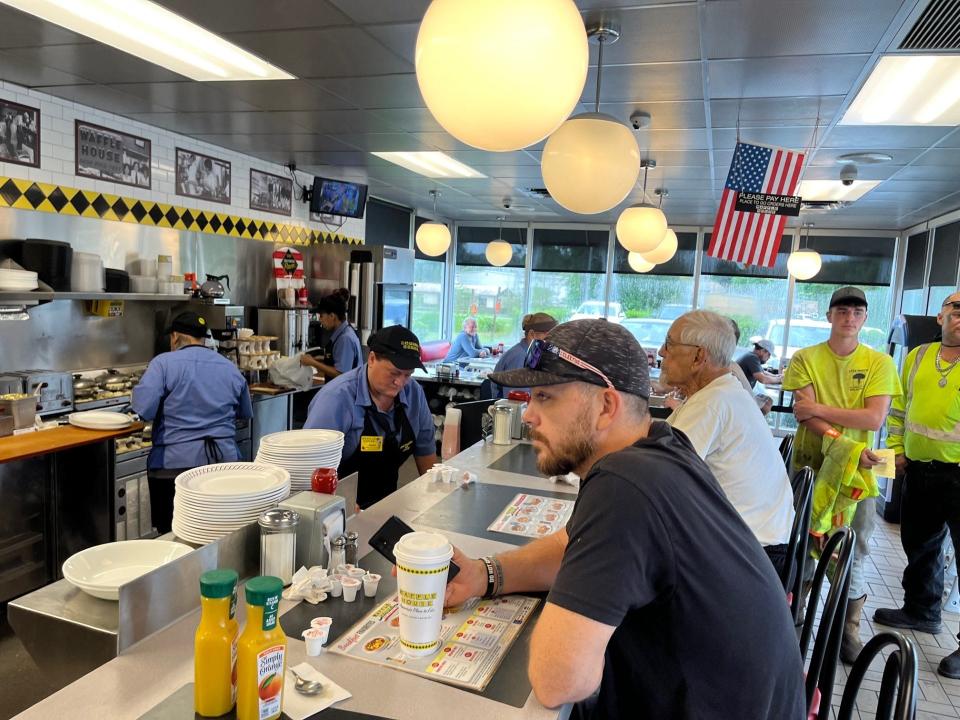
x=474, y=638
x=533, y=516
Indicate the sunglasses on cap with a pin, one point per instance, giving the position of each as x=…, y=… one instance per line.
x=542, y=355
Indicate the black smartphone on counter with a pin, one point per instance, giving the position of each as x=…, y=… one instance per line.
x=389, y=535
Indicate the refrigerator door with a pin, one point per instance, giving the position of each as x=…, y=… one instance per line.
x=394, y=305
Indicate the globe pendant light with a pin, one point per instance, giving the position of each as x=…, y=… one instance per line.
x=433, y=238
x=592, y=162
x=499, y=252
x=804, y=263
x=665, y=250
x=640, y=228
x=501, y=75
x=638, y=263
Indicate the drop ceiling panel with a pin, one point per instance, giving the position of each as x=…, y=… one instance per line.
x=663, y=115
x=95, y=62
x=281, y=94
x=794, y=138
x=410, y=119
x=864, y=172
x=951, y=139
x=828, y=156
x=481, y=158
x=943, y=187
x=29, y=74
x=666, y=158
x=765, y=28
x=656, y=140
x=523, y=173
x=401, y=39
x=785, y=76
x=277, y=142
x=104, y=98
x=334, y=52
x=223, y=16
x=338, y=121
x=652, y=34
x=341, y=160
x=188, y=96
x=868, y=138
x=930, y=172
x=385, y=142
x=441, y=141
x=23, y=30
x=939, y=156
x=645, y=83
x=611, y=4
x=770, y=112
x=377, y=11
x=203, y=123
x=379, y=91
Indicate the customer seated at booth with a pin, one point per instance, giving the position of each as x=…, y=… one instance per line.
x=341, y=352
x=726, y=428
x=467, y=343
x=751, y=363
x=535, y=327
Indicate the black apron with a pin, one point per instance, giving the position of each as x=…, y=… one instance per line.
x=379, y=455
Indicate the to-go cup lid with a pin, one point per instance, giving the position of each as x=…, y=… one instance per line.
x=423, y=547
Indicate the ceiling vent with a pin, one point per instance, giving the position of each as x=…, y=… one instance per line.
x=823, y=205
x=938, y=28
x=536, y=192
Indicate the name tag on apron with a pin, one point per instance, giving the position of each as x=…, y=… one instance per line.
x=371, y=443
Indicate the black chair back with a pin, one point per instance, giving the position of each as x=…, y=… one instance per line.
x=899, y=679
x=471, y=421
x=786, y=450
x=826, y=647
x=798, y=549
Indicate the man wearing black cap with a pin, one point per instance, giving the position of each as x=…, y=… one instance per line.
x=193, y=396
x=843, y=388
x=384, y=417
x=535, y=326
x=659, y=595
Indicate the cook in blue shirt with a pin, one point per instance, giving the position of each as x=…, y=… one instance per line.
x=535, y=327
x=384, y=417
x=342, y=351
x=193, y=395
x=466, y=344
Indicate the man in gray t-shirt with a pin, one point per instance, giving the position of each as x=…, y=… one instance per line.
x=752, y=365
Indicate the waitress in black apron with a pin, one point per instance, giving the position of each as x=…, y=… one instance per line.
x=341, y=351
x=383, y=415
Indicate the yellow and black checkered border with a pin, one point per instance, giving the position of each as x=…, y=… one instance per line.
x=60, y=200
x=433, y=571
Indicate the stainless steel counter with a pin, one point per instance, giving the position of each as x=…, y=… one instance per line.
x=115, y=689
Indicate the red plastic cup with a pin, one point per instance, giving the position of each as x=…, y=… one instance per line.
x=324, y=480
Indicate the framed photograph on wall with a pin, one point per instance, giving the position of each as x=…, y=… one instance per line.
x=271, y=193
x=111, y=155
x=203, y=177
x=19, y=134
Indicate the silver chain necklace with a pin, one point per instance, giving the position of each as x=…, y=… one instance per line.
x=944, y=372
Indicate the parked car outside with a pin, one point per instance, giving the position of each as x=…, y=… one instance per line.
x=590, y=309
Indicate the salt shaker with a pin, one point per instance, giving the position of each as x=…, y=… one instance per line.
x=278, y=543
x=353, y=542
x=338, y=552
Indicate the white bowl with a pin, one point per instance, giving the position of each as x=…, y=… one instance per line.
x=102, y=569
x=143, y=284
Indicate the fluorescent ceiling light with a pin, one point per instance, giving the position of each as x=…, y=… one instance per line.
x=153, y=33
x=909, y=90
x=834, y=190
x=431, y=164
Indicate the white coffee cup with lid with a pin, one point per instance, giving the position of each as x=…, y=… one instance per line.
x=423, y=561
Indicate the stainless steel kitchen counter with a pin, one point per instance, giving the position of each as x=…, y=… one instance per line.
x=117, y=689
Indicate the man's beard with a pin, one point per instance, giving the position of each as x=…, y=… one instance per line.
x=568, y=454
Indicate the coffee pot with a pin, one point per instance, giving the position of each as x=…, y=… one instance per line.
x=213, y=288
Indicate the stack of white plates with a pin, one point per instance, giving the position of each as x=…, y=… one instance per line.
x=17, y=280
x=102, y=569
x=215, y=500
x=100, y=420
x=300, y=452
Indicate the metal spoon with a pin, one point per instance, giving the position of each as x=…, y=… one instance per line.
x=304, y=686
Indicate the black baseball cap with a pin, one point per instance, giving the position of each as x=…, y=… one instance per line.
x=398, y=345
x=848, y=295
x=592, y=351
x=189, y=323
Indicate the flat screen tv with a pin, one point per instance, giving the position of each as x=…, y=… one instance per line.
x=338, y=197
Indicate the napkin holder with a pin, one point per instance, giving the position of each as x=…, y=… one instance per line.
x=322, y=518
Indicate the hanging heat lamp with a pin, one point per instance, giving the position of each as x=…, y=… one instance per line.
x=433, y=238
x=804, y=263
x=499, y=252
x=592, y=162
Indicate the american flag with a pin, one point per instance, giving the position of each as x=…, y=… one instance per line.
x=753, y=238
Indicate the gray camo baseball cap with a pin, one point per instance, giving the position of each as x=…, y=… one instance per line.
x=608, y=347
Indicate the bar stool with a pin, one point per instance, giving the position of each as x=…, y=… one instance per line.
x=798, y=550
x=899, y=682
x=786, y=449
x=826, y=647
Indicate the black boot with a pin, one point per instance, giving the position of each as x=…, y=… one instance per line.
x=950, y=665
x=900, y=618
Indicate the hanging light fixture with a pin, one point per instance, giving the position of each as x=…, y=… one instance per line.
x=433, y=238
x=804, y=263
x=665, y=250
x=640, y=228
x=501, y=75
x=499, y=252
x=639, y=264
x=592, y=162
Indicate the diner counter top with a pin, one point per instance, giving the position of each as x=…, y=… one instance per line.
x=40, y=442
x=113, y=691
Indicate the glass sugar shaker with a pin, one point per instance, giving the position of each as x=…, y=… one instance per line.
x=278, y=543
x=353, y=543
x=338, y=552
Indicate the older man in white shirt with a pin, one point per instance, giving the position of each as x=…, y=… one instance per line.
x=727, y=428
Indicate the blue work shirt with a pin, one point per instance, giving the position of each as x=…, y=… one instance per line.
x=464, y=346
x=201, y=393
x=346, y=348
x=342, y=403
x=512, y=359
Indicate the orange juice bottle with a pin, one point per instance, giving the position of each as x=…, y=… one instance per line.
x=215, y=645
x=261, y=653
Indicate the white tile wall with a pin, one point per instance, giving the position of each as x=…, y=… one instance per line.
x=57, y=162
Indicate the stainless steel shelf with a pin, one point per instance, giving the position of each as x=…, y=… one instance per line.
x=27, y=297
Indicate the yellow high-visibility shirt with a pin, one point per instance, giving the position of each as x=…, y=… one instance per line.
x=926, y=426
x=840, y=382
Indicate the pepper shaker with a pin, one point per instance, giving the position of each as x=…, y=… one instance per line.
x=353, y=544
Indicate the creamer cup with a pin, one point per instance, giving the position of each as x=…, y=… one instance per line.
x=423, y=561
x=350, y=588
